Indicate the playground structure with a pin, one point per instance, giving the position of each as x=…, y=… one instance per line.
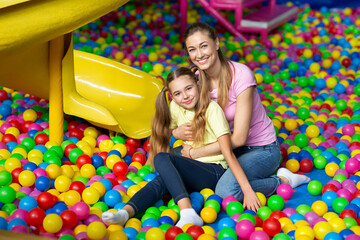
x=262, y=21
x=37, y=57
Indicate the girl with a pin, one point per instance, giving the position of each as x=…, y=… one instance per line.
x=232, y=85
x=180, y=175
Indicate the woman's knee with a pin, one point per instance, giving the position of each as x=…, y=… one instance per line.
x=159, y=159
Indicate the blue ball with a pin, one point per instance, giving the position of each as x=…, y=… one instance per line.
x=151, y=222
x=296, y=217
x=166, y=220
x=42, y=183
x=5, y=110
x=59, y=207
x=226, y=222
x=328, y=197
x=215, y=197
x=149, y=177
x=333, y=236
x=127, y=183
x=28, y=203
x=97, y=161
x=3, y=223
x=344, y=233
x=198, y=196
x=108, y=185
x=15, y=222
x=112, y=197
x=130, y=232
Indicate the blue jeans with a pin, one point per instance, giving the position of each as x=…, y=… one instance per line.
x=259, y=164
x=177, y=175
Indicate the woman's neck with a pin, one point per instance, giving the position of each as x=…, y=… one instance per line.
x=213, y=74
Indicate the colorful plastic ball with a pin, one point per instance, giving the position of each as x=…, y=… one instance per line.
x=293, y=165
x=290, y=124
x=301, y=140
x=42, y=183
x=226, y=222
x=52, y=223
x=208, y=214
x=5, y=178
x=261, y=235
x=195, y=231
x=262, y=198
x=320, y=162
x=81, y=209
x=264, y=212
x=7, y=194
x=339, y=204
x=234, y=207
x=306, y=165
x=315, y=187
x=321, y=229
x=352, y=165
x=69, y=219
x=112, y=197
x=272, y=226
x=244, y=228
x=285, y=191
x=35, y=217
x=226, y=201
x=90, y=195
x=331, y=168
x=28, y=203
x=319, y=207
x=227, y=233
x=96, y=230
x=172, y=232
x=276, y=202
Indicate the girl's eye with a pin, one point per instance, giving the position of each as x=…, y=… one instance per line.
x=191, y=50
x=189, y=88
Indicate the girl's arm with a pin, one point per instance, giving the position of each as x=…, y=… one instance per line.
x=251, y=201
x=243, y=114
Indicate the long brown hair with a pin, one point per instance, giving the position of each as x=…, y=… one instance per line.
x=225, y=70
x=160, y=136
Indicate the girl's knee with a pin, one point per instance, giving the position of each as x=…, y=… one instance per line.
x=159, y=159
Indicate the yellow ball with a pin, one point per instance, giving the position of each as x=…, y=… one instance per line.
x=304, y=231
x=88, y=171
x=62, y=183
x=11, y=164
x=206, y=236
x=262, y=198
x=96, y=230
x=30, y=115
x=121, y=148
x=52, y=223
x=106, y=145
x=331, y=82
x=67, y=170
x=71, y=197
x=321, y=229
x=170, y=213
x=319, y=207
x=337, y=224
x=330, y=215
x=153, y=57
x=99, y=187
x=79, y=229
x=178, y=143
x=91, y=132
x=315, y=67
x=331, y=168
x=111, y=160
x=155, y=234
x=206, y=192
x=53, y=171
x=90, y=195
x=293, y=165
x=308, y=53
x=312, y=131
x=13, y=131
x=27, y=178
x=209, y=230
x=134, y=223
x=290, y=124
x=208, y=214
x=4, y=154
x=158, y=69
x=90, y=141
x=117, y=235
x=132, y=190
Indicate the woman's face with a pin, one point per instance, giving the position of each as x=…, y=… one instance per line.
x=202, y=50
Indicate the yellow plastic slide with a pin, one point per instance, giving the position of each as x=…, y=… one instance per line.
x=36, y=57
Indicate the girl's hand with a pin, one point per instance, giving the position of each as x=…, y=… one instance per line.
x=251, y=201
x=185, y=150
x=183, y=132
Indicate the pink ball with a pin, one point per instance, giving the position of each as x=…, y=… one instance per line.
x=311, y=217
x=345, y=194
x=119, y=188
x=81, y=209
x=4, y=127
x=235, y=217
x=91, y=218
x=348, y=129
x=285, y=191
x=259, y=235
x=21, y=137
x=289, y=211
x=352, y=165
x=352, y=237
x=336, y=183
x=109, y=175
x=63, y=231
x=20, y=213
x=145, y=229
x=40, y=172
x=35, y=126
x=226, y=201
x=342, y=171
x=244, y=228
x=102, y=138
x=20, y=229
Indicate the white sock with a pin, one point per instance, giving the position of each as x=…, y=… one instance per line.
x=294, y=179
x=119, y=217
x=189, y=215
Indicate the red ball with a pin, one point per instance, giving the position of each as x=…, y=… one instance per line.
x=120, y=179
x=195, y=231
x=277, y=214
x=348, y=213
x=130, y=149
x=69, y=219
x=258, y=221
x=271, y=226
x=306, y=165
x=135, y=142
x=82, y=160
x=45, y=200
x=103, y=155
x=16, y=124
x=72, y=125
x=68, y=148
x=120, y=168
x=139, y=157
x=8, y=138
x=172, y=232
x=25, y=126
x=77, y=186
x=346, y=62
x=356, y=194
x=32, y=97
x=146, y=145
x=329, y=187
x=15, y=174
x=35, y=217
x=3, y=95
x=76, y=133
x=41, y=139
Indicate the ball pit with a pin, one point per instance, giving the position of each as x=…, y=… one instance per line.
x=308, y=80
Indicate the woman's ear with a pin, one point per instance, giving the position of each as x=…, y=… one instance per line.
x=217, y=44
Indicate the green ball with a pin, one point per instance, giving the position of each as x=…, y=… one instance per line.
x=303, y=113
x=83, y=179
x=137, y=180
x=278, y=88
x=147, y=67
x=155, y=211
x=103, y=206
x=5, y=178
x=315, y=187
x=320, y=162
x=141, y=236
x=148, y=216
x=301, y=140
x=341, y=104
x=226, y=233
x=29, y=143
x=234, y=207
x=118, y=139
x=339, y=204
x=165, y=226
x=281, y=236
x=143, y=172
x=264, y=212
x=350, y=222
x=7, y=194
x=268, y=78
x=247, y=216
x=303, y=208
x=171, y=203
x=74, y=154
x=184, y=236
x=58, y=150
x=214, y=204
x=339, y=177
x=65, y=143
x=9, y=208
x=276, y=202
x=66, y=237
x=102, y=170
x=130, y=175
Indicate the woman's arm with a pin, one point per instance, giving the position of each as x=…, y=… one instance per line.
x=242, y=120
x=183, y=132
x=251, y=201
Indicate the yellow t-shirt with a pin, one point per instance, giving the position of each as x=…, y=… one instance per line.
x=216, y=126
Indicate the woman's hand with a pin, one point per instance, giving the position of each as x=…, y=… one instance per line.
x=186, y=150
x=251, y=201
x=183, y=132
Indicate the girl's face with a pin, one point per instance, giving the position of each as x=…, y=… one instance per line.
x=202, y=50
x=184, y=92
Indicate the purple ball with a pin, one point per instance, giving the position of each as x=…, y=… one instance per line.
x=289, y=211
x=259, y=235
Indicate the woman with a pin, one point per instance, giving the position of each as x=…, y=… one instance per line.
x=232, y=85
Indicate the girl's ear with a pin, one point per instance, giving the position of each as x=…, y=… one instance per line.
x=217, y=44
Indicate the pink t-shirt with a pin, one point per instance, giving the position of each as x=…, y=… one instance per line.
x=262, y=131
